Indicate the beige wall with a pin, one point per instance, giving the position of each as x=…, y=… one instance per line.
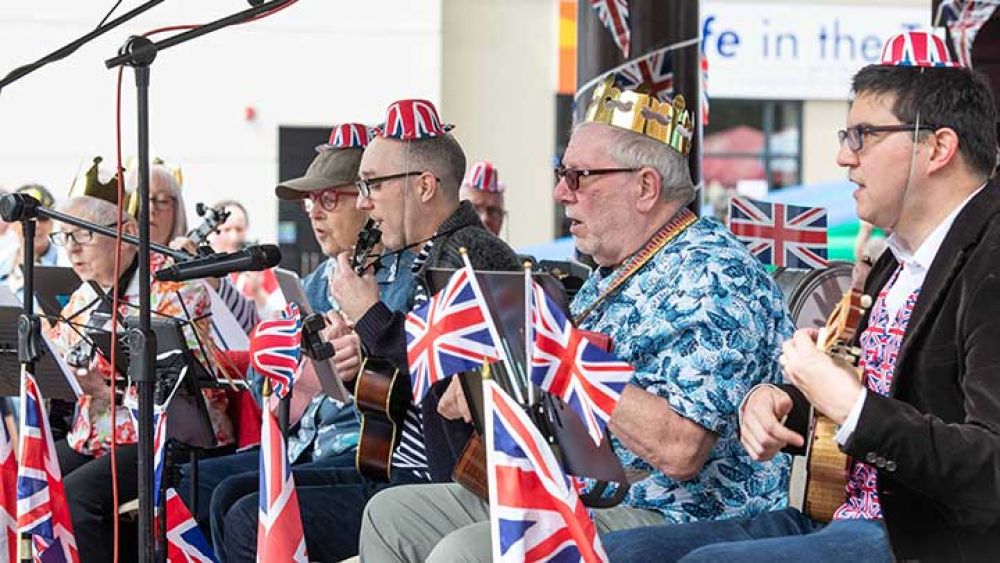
x=498, y=88
x=820, y=122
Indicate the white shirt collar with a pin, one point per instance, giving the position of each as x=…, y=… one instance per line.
x=921, y=260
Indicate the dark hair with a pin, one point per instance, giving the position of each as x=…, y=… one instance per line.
x=957, y=98
x=442, y=155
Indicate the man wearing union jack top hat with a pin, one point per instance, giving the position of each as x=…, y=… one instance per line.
x=483, y=189
x=409, y=181
x=921, y=427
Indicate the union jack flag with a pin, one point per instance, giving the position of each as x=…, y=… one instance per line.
x=484, y=177
x=42, y=511
x=655, y=71
x=964, y=19
x=412, y=120
x=347, y=136
x=185, y=542
x=917, y=48
x=448, y=334
x=566, y=364
x=159, y=445
x=786, y=236
x=535, y=510
x=275, y=349
x=8, y=496
x=704, y=90
x=614, y=16
x=279, y=523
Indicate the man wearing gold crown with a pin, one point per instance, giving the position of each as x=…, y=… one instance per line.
x=83, y=458
x=685, y=304
x=921, y=428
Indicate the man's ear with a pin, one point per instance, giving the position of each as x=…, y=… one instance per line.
x=650, y=188
x=944, y=145
x=427, y=186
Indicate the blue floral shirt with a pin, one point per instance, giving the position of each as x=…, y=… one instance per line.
x=702, y=323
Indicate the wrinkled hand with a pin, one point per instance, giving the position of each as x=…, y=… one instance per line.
x=453, y=404
x=346, y=345
x=831, y=386
x=355, y=294
x=761, y=429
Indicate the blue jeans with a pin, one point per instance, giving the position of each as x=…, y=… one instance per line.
x=212, y=472
x=236, y=485
x=331, y=501
x=771, y=537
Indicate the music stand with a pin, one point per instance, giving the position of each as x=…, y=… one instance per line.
x=55, y=378
x=504, y=295
x=291, y=287
x=53, y=287
x=188, y=420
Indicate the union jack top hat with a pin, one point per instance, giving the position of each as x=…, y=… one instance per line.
x=412, y=120
x=347, y=136
x=483, y=176
x=920, y=49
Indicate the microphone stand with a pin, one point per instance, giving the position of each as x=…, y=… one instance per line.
x=139, y=53
x=29, y=336
x=68, y=49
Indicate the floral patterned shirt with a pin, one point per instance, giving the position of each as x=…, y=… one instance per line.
x=702, y=323
x=91, y=432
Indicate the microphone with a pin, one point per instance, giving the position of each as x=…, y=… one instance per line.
x=251, y=258
x=17, y=207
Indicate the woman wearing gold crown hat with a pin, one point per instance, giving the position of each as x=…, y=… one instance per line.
x=83, y=458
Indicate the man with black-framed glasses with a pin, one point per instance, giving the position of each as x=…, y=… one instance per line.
x=408, y=183
x=920, y=424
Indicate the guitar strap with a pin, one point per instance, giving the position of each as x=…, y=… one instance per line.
x=675, y=226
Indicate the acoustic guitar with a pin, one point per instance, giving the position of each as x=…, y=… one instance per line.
x=828, y=467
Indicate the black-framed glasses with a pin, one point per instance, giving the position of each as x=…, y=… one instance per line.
x=572, y=175
x=80, y=237
x=366, y=185
x=855, y=136
x=326, y=199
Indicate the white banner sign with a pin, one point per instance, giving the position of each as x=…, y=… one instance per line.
x=796, y=51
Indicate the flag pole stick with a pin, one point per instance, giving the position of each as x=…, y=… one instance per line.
x=488, y=316
x=528, y=339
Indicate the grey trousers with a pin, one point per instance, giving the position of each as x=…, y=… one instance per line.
x=445, y=523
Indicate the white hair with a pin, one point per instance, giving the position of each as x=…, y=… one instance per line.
x=159, y=174
x=93, y=209
x=631, y=150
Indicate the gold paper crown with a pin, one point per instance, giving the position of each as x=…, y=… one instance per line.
x=666, y=121
x=89, y=184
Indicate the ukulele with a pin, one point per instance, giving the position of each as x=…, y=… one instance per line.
x=828, y=467
x=378, y=398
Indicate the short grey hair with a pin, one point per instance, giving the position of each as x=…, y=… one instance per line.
x=631, y=150
x=159, y=174
x=93, y=209
x=441, y=155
